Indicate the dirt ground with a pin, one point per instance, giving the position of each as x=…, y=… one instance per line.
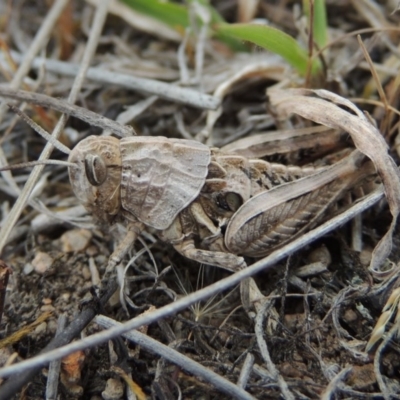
x=306, y=338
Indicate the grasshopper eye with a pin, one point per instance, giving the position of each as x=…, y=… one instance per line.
x=96, y=170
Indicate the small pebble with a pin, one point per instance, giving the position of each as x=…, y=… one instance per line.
x=75, y=240
x=65, y=296
x=365, y=257
x=297, y=357
x=115, y=299
x=101, y=259
x=350, y=315
x=74, y=390
x=42, y=262
x=92, y=251
x=47, y=307
x=41, y=328
x=5, y=354
x=52, y=326
x=86, y=273
x=320, y=254
x=362, y=376
x=114, y=390
x=294, y=320
x=28, y=268
x=293, y=370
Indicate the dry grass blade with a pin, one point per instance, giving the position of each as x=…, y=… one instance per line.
x=246, y=370
x=17, y=336
x=39, y=130
x=165, y=90
x=325, y=109
x=391, y=308
x=372, y=13
x=132, y=386
x=283, y=141
x=55, y=366
x=383, y=384
x=334, y=383
x=262, y=345
x=67, y=108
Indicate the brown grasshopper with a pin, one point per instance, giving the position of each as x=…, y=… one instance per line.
x=212, y=206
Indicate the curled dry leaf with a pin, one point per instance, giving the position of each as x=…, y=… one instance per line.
x=324, y=108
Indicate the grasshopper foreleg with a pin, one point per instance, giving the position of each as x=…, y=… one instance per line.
x=122, y=250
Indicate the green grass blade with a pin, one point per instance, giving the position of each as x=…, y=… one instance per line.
x=177, y=16
x=320, y=22
x=172, y=14
x=216, y=18
x=273, y=40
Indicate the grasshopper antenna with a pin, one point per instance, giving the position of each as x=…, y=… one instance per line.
x=46, y=136
x=33, y=163
x=40, y=131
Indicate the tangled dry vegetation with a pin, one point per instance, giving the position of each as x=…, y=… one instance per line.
x=313, y=306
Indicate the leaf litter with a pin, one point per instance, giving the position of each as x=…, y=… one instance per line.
x=309, y=332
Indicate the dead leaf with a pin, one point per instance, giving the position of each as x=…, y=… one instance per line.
x=72, y=366
x=325, y=109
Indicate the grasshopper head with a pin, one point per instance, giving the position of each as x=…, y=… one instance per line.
x=96, y=178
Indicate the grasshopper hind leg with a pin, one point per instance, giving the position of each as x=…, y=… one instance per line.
x=248, y=288
x=220, y=259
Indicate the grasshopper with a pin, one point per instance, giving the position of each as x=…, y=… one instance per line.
x=214, y=206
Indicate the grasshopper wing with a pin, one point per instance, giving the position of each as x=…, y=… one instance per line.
x=273, y=218
x=160, y=177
